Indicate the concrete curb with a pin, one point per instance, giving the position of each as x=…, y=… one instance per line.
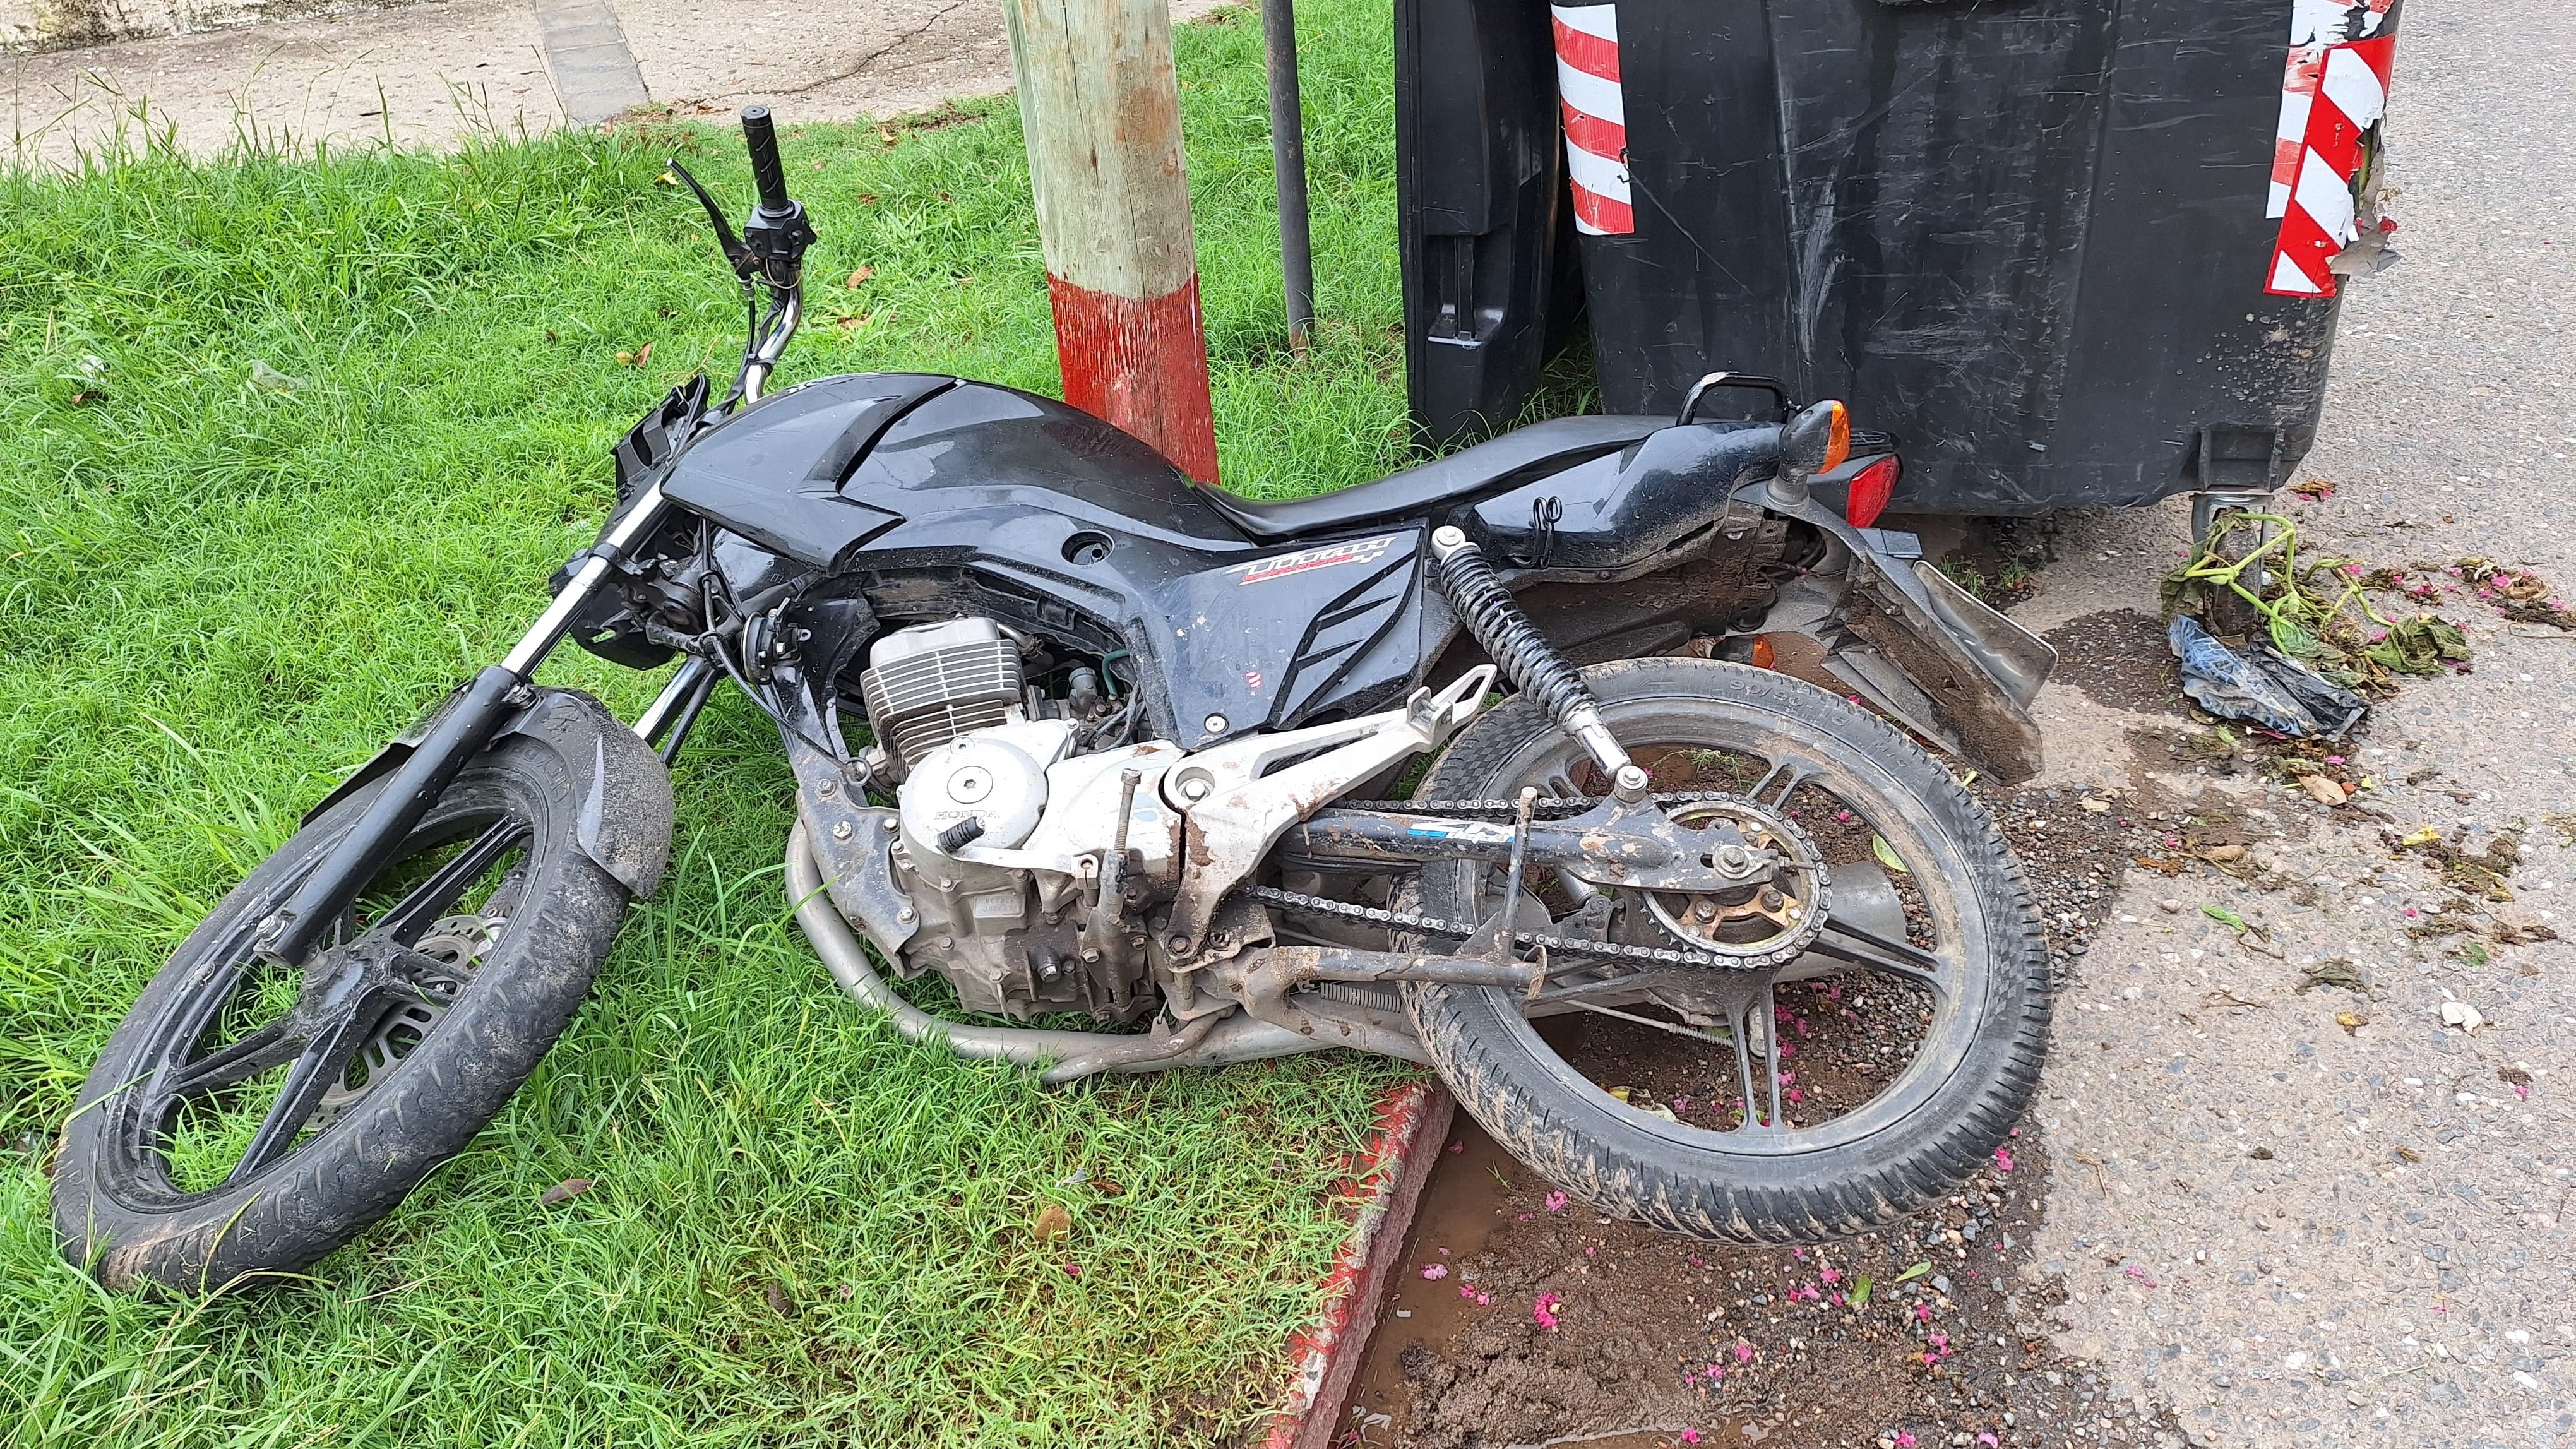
x=1412, y=1123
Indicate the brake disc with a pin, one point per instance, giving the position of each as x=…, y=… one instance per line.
x=458, y=944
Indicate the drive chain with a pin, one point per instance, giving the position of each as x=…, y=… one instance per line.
x=1311, y=905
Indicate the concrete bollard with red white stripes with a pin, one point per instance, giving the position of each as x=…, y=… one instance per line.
x=1101, y=105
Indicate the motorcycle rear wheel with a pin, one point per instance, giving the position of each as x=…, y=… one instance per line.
x=239, y=1125
x=1969, y=983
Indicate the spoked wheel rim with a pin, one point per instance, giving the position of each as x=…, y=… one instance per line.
x=252, y=1062
x=1935, y=955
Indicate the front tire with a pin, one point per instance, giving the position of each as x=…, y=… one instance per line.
x=1973, y=990
x=189, y=1168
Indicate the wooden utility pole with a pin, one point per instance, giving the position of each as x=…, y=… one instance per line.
x=1102, y=109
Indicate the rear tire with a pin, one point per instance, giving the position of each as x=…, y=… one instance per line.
x=1936, y=1122
x=132, y=1204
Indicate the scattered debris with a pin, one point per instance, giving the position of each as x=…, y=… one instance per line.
x=1051, y=1223
x=2479, y=874
x=2262, y=686
x=269, y=379
x=2518, y=594
x=2322, y=789
x=564, y=1191
x=2315, y=617
x=2332, y=971
x=2462, y=1015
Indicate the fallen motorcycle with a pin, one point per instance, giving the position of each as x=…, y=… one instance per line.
x=1141, y=749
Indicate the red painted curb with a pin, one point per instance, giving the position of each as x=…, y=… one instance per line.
x=1140, y=365
x=1412, y=1122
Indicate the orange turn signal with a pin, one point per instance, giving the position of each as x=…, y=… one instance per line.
x=1837, y=443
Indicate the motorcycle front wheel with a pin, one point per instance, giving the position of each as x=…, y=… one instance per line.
x=1799, y=1095
x=244, y=1119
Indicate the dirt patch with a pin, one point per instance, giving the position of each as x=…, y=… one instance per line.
x=2117, y=657
x=1660, y=1341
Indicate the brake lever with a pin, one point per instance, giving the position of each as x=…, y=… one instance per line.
x=737, y=255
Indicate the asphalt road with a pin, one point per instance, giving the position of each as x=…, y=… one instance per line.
x=2330, y=1289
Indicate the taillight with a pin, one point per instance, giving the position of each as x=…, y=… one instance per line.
x=1870, y=488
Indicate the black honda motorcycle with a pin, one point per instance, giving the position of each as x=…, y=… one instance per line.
x=1713, y=947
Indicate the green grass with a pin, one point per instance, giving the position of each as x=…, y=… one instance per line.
x=217, y=597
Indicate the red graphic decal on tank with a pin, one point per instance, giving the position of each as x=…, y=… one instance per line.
x=1366, y=550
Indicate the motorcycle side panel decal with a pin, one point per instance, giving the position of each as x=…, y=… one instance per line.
x=1281, y=565
x=2333, y=93
x=1596, y=117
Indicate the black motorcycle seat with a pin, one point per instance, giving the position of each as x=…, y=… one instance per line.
x=1488, y=467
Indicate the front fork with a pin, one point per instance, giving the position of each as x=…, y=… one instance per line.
x=288, y=935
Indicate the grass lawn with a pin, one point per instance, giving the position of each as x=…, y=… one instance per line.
x=218, y=596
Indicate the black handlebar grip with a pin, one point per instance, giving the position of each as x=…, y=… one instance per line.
x=767, y=174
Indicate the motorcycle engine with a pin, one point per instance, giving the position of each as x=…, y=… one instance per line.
x=1006, y=831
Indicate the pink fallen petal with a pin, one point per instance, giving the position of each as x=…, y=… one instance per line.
x=1484, y=1300
x=1830, y=1275
x=1544, y=1310
x=1436, y=1271
x=1987, y=1439
x=1690, y=1436
x=1466, y=1291
x=1743, y=1351
x=2003, y=1160
x=1904, y=1439
x=1797, y=1095
x=1556, y=1202
x=1073, y=1270
x=1923, y=1313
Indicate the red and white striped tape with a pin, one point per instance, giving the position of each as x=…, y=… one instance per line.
x=2333, y=91
x=1596, y=118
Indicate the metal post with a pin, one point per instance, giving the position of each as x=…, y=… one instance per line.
x=1100, y=106
x=1288, y=165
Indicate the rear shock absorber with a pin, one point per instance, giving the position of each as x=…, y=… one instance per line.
x=1514, y=643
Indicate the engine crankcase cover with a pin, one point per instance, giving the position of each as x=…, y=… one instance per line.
x=982, y=778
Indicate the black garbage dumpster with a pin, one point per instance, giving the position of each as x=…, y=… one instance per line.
x=2067, y=251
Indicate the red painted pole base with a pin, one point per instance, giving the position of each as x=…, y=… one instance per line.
x=1141, y=365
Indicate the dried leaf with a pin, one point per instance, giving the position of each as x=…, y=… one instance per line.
x=2095, y=807
x=2333, y=971
x=2321, y=789
x=1886, y=854
x=1052, y=1222
x=859, y=276
x=564, y=1191
x=2351, y=1021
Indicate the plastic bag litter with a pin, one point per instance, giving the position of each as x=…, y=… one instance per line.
x=2261, y=686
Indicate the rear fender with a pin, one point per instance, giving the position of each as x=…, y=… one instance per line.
x=1918, y=646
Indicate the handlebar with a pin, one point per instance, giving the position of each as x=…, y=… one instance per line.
x=768, y=174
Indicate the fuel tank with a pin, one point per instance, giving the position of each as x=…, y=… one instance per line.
x=939, y=496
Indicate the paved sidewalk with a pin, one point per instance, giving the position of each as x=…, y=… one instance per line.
x=424, y=75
